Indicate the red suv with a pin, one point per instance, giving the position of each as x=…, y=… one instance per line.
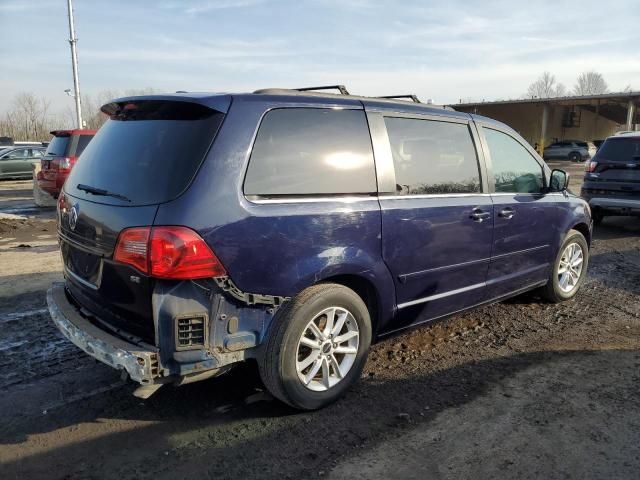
x=60, y=157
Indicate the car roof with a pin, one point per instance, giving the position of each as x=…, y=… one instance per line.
x=222, y=101
x=624, y=135
x=15, y=147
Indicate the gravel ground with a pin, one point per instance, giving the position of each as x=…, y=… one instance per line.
x=521, y=389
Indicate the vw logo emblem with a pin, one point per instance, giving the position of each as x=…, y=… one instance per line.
x=73, y=217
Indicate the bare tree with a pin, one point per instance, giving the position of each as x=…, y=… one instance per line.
x=29, y=117
x=590, y=83
x=546, y=87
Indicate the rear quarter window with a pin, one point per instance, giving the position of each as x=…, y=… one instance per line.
x=83, y=141
x=311, y=151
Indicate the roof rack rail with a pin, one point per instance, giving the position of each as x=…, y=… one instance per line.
x=341, y=88
x=411, y=96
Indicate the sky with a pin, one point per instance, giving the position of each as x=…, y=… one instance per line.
x=441, y=50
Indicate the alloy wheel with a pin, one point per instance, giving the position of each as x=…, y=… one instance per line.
x=570, y=267
x=327, y=349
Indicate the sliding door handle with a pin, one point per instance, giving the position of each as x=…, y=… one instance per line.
x=478, y=215
x=507, y=213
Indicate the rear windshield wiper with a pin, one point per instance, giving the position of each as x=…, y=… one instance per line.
x=100, y=191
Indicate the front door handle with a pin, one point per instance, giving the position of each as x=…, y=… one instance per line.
x=478, y=215
x=507, y=212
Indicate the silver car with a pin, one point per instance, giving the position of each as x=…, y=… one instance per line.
x=574, y=150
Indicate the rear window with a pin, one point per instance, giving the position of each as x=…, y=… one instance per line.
x=58, y=146
x=307, y=151
x=148, y=151
x=624, y=150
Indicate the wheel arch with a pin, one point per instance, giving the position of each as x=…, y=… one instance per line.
x=583, y=228
x=366, y=290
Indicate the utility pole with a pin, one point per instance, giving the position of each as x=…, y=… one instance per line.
x=74, y=63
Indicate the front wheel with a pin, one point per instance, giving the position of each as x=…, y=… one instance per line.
x=575, y=157
x=317, y=346
x=569, y=269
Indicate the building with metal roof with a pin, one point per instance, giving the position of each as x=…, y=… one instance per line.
x=544, y=120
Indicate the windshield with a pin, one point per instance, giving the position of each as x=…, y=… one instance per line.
x=148, y=151
x=58, y=146
x=626, y=150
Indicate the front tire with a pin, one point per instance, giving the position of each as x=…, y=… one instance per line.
x=575, y=157
x=316, y=347
x=569, y=269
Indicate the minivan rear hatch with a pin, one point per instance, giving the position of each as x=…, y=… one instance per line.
x=146, y=153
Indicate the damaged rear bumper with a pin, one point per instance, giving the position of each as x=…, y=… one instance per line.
x=141, y=363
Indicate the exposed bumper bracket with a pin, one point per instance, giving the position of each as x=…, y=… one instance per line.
x=142, y=364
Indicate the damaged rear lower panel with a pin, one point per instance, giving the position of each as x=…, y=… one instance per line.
x=201, y=329
x=142, y=364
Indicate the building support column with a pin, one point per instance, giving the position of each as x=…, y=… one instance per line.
x=595, y=122
x=631, y=111
x=543, y=128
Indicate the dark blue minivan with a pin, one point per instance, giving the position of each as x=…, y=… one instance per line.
x=293, y=228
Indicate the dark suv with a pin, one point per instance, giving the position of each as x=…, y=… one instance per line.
x=612, y=178
x=294, y=228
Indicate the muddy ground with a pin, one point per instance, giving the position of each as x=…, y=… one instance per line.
x=521, y=389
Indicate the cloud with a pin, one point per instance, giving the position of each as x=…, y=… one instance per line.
x=441, y=49
x=198, y=7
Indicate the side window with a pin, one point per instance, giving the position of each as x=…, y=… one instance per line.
x=303, y=151
x=21, y=153
x=432, y=157
x=514, y=169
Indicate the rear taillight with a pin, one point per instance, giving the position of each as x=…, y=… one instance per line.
x=66, y=163
x=167, y=252
x=591, y=166
x=133, y=247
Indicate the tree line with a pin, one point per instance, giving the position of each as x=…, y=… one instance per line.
x=29, y=117
x=587, y=83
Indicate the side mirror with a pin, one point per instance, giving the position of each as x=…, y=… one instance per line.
x=559, y=181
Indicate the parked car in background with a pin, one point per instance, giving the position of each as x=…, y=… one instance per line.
x=574, y=150
x=16, y=162
x=202, y=230
x=612, y=178
x=60, y=157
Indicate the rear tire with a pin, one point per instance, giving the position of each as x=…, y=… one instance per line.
x=569, y=269
x=311, y=377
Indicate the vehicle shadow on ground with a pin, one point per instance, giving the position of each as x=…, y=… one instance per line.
x=617, y=227
x=249, y=441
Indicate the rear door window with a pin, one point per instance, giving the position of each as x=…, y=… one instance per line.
x=148, y=151
x=514, y=169
x=311, y=151
x=433, y=157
